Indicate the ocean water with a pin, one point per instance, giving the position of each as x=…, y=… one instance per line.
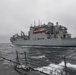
x=46, y=59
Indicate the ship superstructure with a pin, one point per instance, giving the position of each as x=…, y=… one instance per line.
x=45, y=35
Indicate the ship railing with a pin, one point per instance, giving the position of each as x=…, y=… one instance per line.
x=65, y=58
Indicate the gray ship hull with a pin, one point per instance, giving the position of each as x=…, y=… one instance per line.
x=45, y=35
x=54, y=42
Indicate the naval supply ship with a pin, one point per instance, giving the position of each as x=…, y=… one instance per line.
x=49, y=34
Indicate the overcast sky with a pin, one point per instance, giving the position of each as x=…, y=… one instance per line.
x=17, y=15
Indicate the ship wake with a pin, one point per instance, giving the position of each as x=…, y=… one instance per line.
x=54, y=69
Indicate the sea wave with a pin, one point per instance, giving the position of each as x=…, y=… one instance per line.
x=51, y=69
x=54, y=69
x=69, y=65
x=38, y=57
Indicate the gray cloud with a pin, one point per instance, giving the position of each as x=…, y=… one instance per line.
x=17, y=15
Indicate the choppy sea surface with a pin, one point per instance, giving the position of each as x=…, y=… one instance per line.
x=46, y=59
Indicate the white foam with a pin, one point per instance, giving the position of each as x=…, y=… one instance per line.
x=6, y=62
x=54, y=69
x=38, y=57
x=68, y=65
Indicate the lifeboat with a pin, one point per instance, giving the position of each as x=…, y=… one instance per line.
x=39, y=31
